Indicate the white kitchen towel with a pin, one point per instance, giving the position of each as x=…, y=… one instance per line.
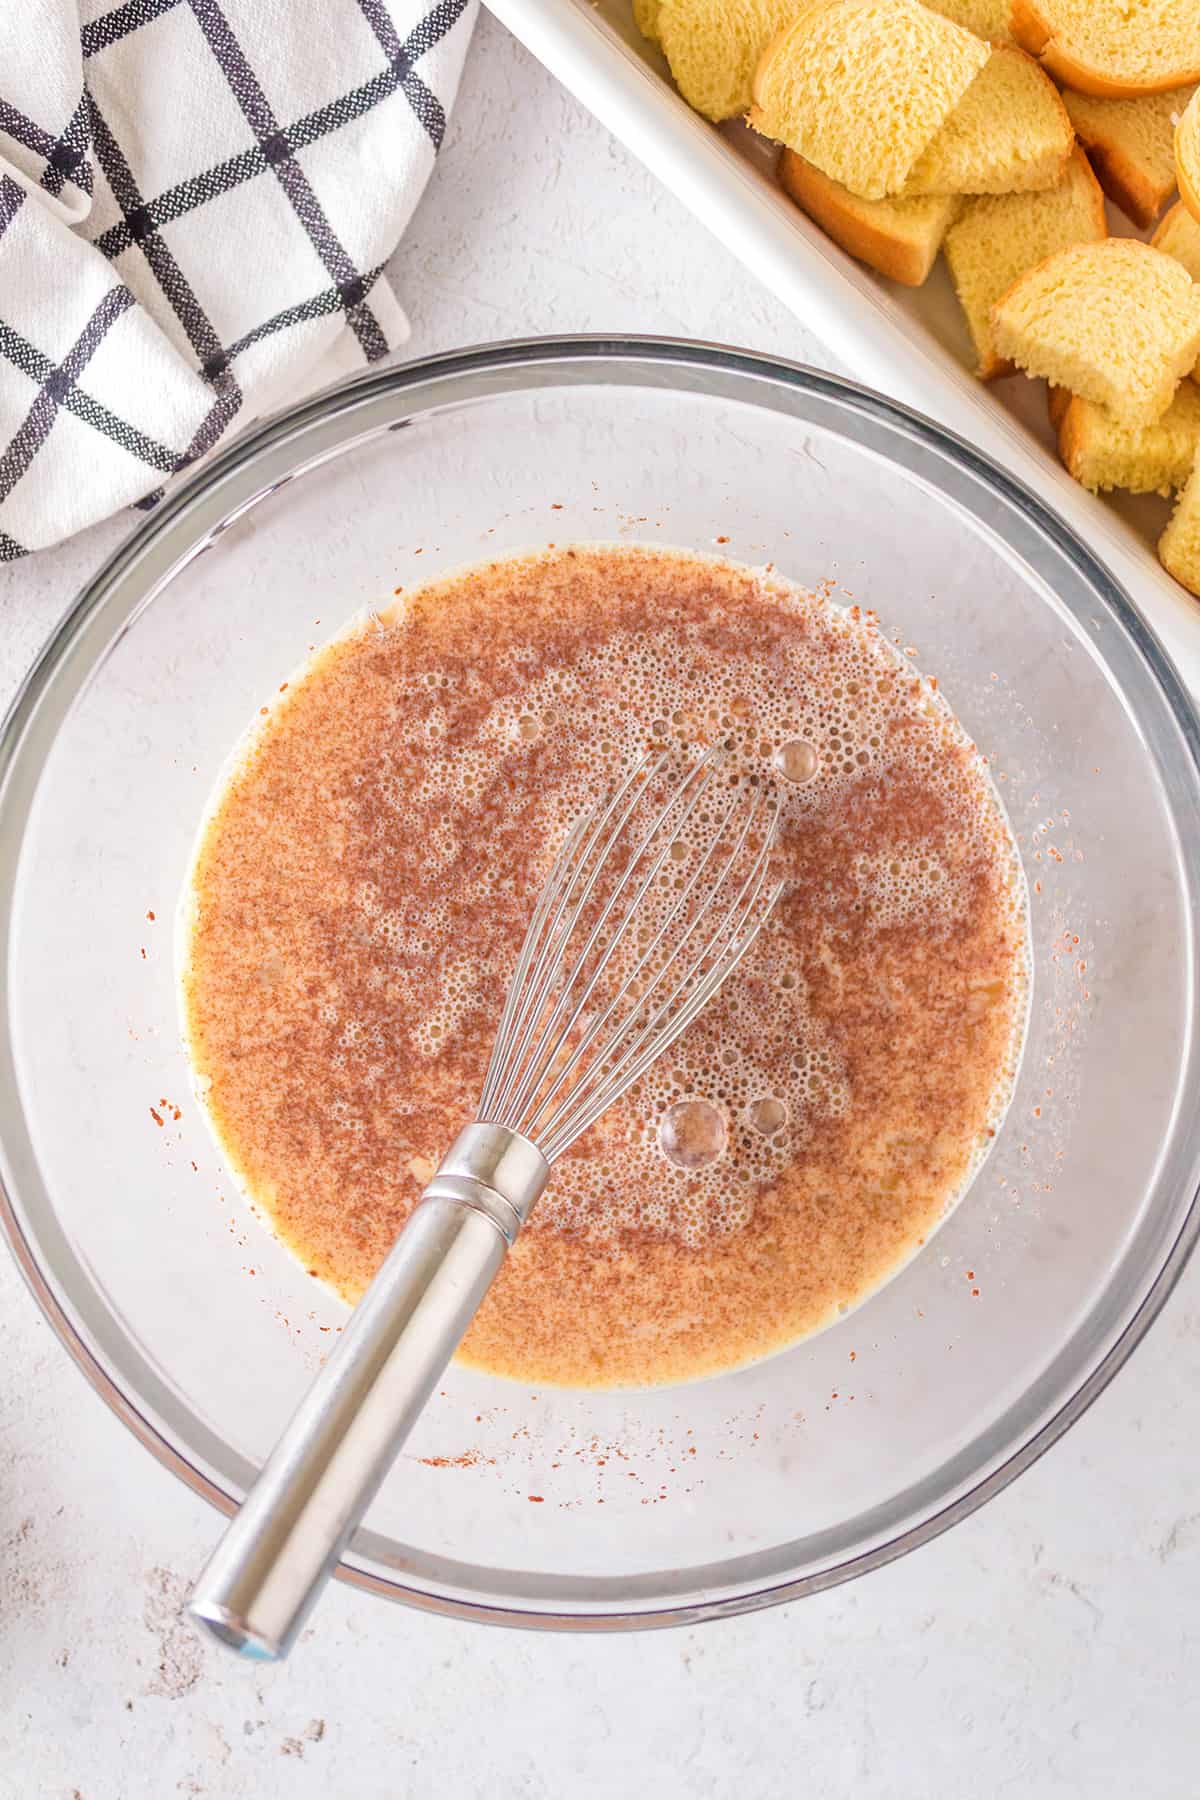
x=197, y=198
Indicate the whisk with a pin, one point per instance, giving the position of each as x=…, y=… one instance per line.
x=609, y=974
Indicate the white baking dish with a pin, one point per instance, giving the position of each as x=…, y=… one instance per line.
x=910, y=343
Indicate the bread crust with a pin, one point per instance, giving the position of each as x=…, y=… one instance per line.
x=1180, y=208
x=996, y=368
x=1035, y=33
x=1186, y=574
x=1190, y=583
x=1190, y=196
x=1188, y=177
x=822, y=199
x=1058, y=404
x=1070, y=449
x=1124, y=183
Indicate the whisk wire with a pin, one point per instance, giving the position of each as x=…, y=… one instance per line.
x=641, y=1007
x=554, y=1066
x=597, y=1024
x=586, y=1105
x=559, y=874
x=533, y=1060
x=574, y=1126
x=548, y=1045
x=536, y=964
x=547, y=963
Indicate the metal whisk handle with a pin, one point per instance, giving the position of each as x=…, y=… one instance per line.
x=285, y=1540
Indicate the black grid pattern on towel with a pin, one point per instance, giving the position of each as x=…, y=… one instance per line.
x=65, y=156
x=88, y=143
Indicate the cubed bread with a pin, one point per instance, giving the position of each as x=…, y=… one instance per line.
x=713, y=47
x=1179, y=236
x=988, y=19
x=1131, y=144
x=899, y=238
x=997, y=238
x=645, y=17
x=1179, y=545
x=1008, y=134
x=861, y=88
x=1101, y=453
x=1187, y=153
x=1112, y=46
x=1117, y=322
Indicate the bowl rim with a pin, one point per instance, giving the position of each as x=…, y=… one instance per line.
x=632, y=352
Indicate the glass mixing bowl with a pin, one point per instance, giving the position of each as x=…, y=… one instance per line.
x=588, y=1508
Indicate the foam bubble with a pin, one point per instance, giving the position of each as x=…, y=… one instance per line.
x=693, y=1134
x=797, y=761
x=768, y=1114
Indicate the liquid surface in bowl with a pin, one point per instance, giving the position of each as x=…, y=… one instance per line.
x=365, y=877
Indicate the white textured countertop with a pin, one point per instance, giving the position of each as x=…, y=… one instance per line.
x=1047, y=1647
